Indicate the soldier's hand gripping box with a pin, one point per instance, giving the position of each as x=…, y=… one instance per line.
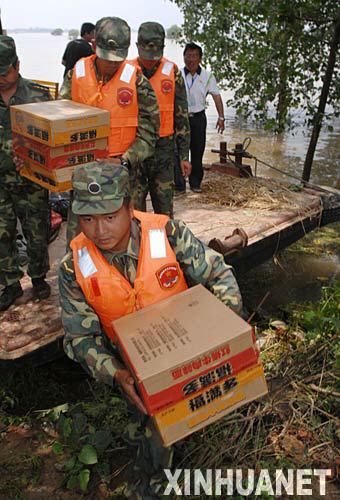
x=67, y=155
x=60, y=122
x=183, y=344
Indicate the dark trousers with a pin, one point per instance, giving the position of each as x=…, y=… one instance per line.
x=198, y=127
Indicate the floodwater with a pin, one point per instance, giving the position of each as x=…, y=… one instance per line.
x=40, y=57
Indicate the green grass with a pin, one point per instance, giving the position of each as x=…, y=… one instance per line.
x=301, y=361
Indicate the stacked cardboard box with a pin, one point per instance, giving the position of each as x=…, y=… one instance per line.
x=194, y=360
x=52, y=137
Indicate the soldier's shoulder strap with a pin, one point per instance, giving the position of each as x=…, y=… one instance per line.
x=37, y=86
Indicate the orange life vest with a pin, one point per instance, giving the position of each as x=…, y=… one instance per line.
x=159, y=275
x=118, y=96
x=163, y=84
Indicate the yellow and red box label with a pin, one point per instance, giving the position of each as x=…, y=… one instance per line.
x=58, y=180
x=203, y=405
x=193, y=414
x=201, y=380
x=62, y=156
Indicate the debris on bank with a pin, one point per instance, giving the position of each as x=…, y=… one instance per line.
x=257, y=193
x=296, y=426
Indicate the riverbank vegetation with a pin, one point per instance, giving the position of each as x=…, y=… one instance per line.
x=272, y=55
x=61, y=432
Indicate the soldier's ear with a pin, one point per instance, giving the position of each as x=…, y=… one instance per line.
x=17, y=66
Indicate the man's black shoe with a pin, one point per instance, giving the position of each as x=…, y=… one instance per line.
x=41, y=289
x=9, y=295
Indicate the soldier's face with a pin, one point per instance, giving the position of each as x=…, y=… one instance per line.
x=192, y=60
x=108, y=68
x=109, y=231
x=9, y=79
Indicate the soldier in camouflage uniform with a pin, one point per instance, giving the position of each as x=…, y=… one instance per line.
x=19, y=198
x=101, y=198
x=112, y=36
x=157, y=173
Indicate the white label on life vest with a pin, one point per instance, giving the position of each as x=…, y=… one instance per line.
x=80, y=68
x=127, y=73
x=85, y=263
x=157, y=243
x=167, y=68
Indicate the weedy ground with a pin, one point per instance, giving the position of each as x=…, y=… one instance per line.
x=60, y=432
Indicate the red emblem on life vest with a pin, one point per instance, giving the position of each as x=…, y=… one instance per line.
x=166, y=86
x=168, y=276
x=124, y=96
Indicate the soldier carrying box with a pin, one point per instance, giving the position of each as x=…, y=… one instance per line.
x=118, y=264
x=19, y=198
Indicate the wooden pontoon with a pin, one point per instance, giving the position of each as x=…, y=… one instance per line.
x=31, y=332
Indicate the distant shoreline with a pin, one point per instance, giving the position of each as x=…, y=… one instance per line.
x=39, y=30
x=30, y=30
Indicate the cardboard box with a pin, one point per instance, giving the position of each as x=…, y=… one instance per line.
x=208, y=406
x=57, y=180
x=171, y=343
x=60, y=156
x=60, y=122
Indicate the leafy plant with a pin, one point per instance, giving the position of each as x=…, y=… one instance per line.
x=83, y=447
x=295, y=426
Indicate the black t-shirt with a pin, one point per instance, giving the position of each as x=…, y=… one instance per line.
x=76, y=49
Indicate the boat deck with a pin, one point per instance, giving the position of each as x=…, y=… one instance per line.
x=31, y=332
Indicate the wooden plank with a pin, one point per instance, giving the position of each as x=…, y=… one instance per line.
x=268, y=232
x=32, y=326
x=208, y=221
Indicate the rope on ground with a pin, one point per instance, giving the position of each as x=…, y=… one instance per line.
x=245, y=145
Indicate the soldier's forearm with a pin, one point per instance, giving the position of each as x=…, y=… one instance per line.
x=95, y=359
x=183, y=143
x=143, y=147
x=226, y=289
x=65, y=91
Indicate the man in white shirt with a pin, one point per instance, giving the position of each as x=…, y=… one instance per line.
x=199, y=83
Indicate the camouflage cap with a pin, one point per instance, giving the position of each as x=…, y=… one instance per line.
x=99, y=187
x=112, y=36
x=8, y=53
x=150, y=41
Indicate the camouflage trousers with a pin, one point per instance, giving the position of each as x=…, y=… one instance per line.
x=28, y=203
x=156, y=175
x=150, y=458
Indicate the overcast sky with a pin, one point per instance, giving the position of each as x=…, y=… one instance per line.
x=71, y=13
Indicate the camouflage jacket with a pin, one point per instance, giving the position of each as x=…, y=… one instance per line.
x=148, y=118
x=85, y=341
x=181, y=117
x=26, y=92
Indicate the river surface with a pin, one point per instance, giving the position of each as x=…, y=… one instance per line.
x=40, y=57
